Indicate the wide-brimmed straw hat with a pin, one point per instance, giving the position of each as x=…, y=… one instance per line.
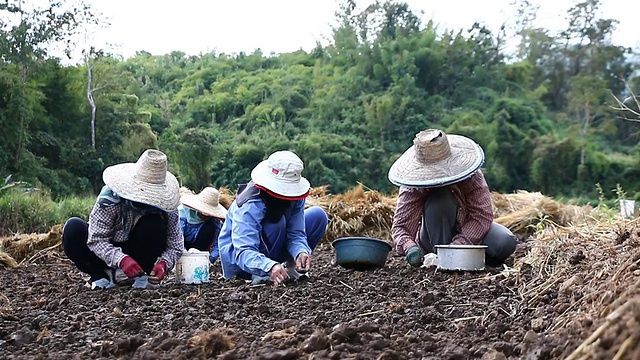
x=146, y=181
x=281, y=174
x=206, y=202
x=437, y=159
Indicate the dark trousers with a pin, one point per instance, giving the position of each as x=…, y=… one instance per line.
x=146, y=241
x=439, y=228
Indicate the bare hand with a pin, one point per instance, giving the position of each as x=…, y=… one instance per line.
x=303, y=262
x=278, y=274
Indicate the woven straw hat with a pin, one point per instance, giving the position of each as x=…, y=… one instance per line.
x=281, y=174
x=146, y=181
x=437, y=159
x=206, y=202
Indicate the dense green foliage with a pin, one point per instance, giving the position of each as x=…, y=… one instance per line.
x=349, y=109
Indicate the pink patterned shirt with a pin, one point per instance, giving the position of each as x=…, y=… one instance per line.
x=474, y=218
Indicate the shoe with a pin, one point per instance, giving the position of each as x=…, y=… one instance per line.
x=102, y=283
x=142, y=282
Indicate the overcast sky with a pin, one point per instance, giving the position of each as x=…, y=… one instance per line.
x=230, y=26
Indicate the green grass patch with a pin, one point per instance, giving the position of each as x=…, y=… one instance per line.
x=34, y=211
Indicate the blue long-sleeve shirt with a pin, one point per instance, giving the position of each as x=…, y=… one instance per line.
x=240, y=242
x=190, y=223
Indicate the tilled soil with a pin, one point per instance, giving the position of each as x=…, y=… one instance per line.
x=396, y=312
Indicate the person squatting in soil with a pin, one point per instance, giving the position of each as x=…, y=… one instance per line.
x=201, y=218
x=268, y=235
x=444, y=199
x=133, y=235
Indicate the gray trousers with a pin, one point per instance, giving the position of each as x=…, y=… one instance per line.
x=439, y=228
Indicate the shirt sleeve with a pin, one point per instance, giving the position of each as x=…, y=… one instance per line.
x=189, y=231
x=102, y=228
x=175, y=240
x=245, y=237
x=296, y=235
x=479, y=215
x=407, y=218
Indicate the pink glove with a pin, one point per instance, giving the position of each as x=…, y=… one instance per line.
x=130, y=267
x=158, y=270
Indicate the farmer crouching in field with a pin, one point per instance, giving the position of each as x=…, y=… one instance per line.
x=444, y=199
x=133, y=235
x=268, y=236
x=201, y=218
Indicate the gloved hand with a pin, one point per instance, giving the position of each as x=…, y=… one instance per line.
x=414, y=256
x=130, y=267
x=158, y=271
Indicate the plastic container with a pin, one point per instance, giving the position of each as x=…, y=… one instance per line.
x=461, y=257
x=361, y=253
x=193, y=267
x=627, y=208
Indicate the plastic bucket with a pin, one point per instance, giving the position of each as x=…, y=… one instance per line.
x=193, y=268
x=627, y=208
x=361, y=253
x=461, y=257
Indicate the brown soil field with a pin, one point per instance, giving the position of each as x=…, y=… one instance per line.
x=569, y=292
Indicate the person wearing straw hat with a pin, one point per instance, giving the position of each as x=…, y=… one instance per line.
x=133, y=235
x=268, y=236
x=201, y=218
x=444, y=199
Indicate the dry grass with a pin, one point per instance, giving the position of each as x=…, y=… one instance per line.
x=524, y=211
x=21, y=247
x=358, y=212
x=594, y=270
x=213, y=342
x=7, y=260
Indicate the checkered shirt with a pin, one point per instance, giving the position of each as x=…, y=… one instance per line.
x=106, y=231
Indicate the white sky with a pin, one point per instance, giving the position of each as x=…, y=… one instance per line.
x=230, y=26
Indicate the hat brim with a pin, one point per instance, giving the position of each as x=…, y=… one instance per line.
x=164, y=196
x=260, y=176
x=465, y=159
x=194, y=202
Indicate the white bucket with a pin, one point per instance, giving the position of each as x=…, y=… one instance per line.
x=461, y=257
x=627, y=208
x=193, y=267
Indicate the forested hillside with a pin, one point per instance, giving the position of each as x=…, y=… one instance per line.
x=541, y=111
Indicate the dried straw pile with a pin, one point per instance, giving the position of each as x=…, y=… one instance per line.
x=524, y=211
x=358, y=212
x=584, y=284
x=19, y=247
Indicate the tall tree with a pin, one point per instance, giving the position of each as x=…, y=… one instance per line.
x=27, y=33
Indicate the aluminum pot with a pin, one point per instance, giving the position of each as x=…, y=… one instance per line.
x=461, y=257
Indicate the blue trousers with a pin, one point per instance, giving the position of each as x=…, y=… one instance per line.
x=274, y=234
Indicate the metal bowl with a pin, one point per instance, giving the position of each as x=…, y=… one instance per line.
x=361, y=253
x=461, y=257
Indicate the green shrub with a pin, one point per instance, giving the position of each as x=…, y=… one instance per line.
x=27, y=212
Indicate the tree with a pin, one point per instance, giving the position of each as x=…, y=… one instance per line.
x=586, y=98
x=97, y=58
x=27, y=33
